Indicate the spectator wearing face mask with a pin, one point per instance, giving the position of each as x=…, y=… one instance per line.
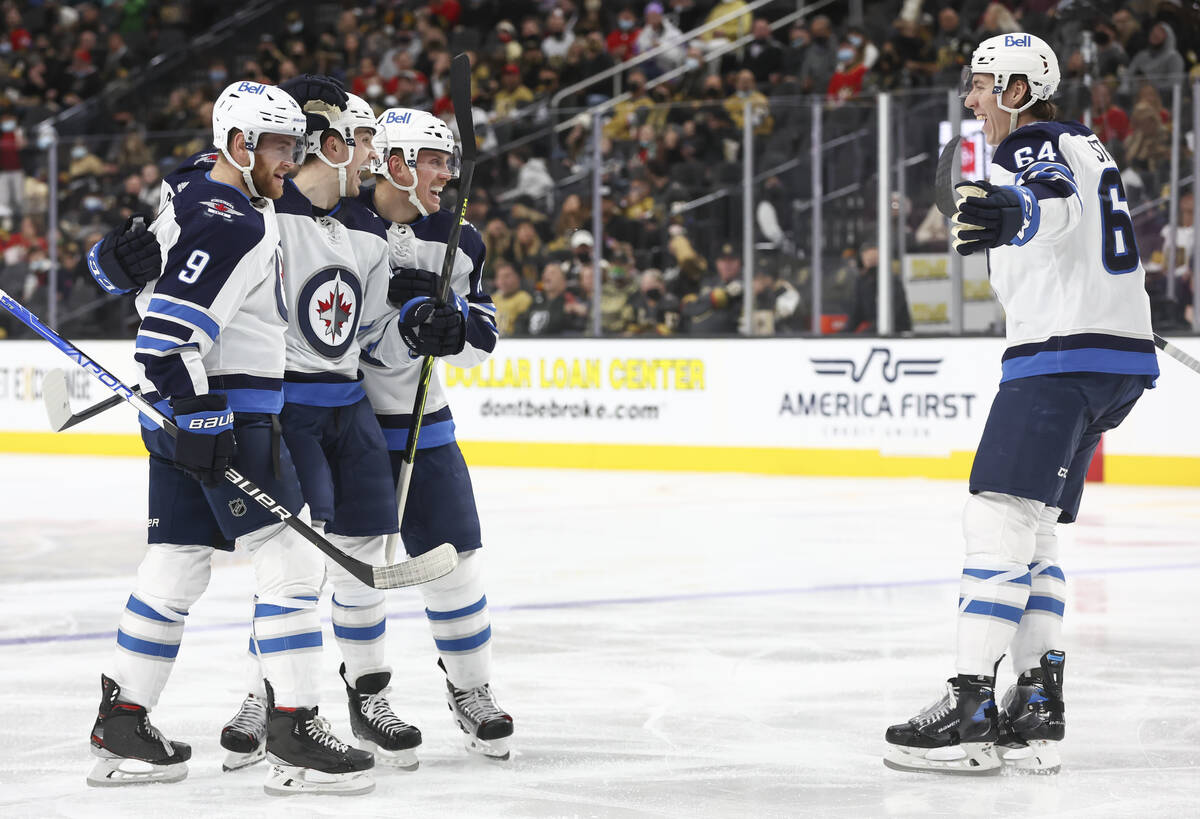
x=622, y=40
x=763, y=56
x=820, y=57
x=847, y=80
x=760, y=111
x=628, y=115
x=657, y=31
x=655, y=311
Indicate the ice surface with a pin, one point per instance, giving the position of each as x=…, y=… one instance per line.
x=669, y=645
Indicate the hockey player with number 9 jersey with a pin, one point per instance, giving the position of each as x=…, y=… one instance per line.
x=1063, y=260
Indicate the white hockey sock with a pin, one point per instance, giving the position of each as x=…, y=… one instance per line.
x=359, y=612
x=1041, y=626
x=285, y=638
x=456, y=608
x=999, y=531
x=148, y=640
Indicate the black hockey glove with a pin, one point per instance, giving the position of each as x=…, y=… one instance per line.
x=408, y=283
x=309, y=87
x=990, y=216
x=434, y=329
x=126, y=259
x=204, y=444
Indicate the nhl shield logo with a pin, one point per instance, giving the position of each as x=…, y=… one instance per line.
x=331, y=301
x=237, y=507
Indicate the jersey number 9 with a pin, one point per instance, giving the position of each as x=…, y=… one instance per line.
x=195, y=265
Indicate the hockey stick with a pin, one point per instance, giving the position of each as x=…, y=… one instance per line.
x=1176, y=353
x=943, y=180
x=429, y=566
x=460, y=95
x=56, y=395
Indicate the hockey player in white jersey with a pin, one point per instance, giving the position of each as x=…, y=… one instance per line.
x=422, y=157
x=1063, y=261
x=211, y=351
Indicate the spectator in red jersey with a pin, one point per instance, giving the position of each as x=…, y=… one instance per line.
x=12, y=176
x=1109, y=122
x=622, y=39
x=847, y=80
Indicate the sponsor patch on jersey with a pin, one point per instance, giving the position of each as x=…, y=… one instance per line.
x=331, y=301
x=219, y=207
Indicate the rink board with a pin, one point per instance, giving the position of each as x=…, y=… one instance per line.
x=843, y=407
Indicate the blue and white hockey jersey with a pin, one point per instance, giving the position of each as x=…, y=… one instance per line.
x=392, y=389
x=1071, y=283
x=214, y=320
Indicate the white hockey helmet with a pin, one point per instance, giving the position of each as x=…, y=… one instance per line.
x=1007, y=55
x=408, y=130
x=256, y=109
x=357, y=114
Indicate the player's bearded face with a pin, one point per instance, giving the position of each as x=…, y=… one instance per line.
x=273, y=161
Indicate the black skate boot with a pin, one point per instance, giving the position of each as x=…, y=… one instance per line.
x=484, y=723
x=375, y=724
x=245, y=736
x=955, y=735
x=131, y=750
x=1032, y=719
x=306, y=757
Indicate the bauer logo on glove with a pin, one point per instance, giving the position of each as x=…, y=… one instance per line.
x=988, y=216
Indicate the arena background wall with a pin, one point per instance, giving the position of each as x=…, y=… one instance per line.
x=839, y=407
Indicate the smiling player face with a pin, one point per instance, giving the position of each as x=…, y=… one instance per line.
x=433, y=172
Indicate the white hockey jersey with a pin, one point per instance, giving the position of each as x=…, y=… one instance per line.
x=392, y=389
x=1071, y=282
x=214, y=320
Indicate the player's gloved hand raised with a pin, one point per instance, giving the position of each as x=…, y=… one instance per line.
x=204, y=444
x=126, y=259
x=308, y=87
x=989, y=216
x=408, y=283
x=434, y=329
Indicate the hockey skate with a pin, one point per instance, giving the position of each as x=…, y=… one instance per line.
x=955, y=735
x=131, y=751
x=1032, y=720
x=306, y=757
x=485, y=725
x=245, y=736
x=392, y=740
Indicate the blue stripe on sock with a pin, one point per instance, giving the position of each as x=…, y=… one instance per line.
x=364, y=633
x=1051, y=571
x=274, y=645
x=271, y=610
x=253, y=650
x=990, y=609
x=1039, y=603
x=138, y=607
x=146, y=647
x=475, y=607
x=464, y=643
x=988, y=574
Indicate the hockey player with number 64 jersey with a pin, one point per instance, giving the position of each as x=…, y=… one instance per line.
x=1053, y=219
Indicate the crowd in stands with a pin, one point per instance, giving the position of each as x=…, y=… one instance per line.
x=673, y=138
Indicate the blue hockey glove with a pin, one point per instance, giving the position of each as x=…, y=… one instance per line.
x=990, y=216
x=204, y=445
x=126, y=259
x=309, y=87
x=408, y=283
x=434, y=329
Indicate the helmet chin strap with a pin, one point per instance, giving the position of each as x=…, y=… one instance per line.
x=411, y=190
x=340, y=167
x=245, y=169
x=1013, y=113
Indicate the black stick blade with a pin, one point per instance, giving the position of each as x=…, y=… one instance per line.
x=943, y=180
x=460, y=95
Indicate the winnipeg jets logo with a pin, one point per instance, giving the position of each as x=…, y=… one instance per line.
x=219, y=207
x=331, y=300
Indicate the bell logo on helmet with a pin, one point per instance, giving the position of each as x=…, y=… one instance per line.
x=393, y=116
x=252, y=88
x=1017, y=40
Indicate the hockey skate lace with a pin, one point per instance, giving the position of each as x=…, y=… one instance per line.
x=477, y=704
x=379, y=713
x=320, y=731
x=937, y=709
x=251, y=718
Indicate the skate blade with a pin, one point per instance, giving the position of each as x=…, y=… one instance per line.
x=967, y=759
x=287, y=780
x=1038, y=757
x=111, y=772
x=403, y=760
x=235, y=761
x=495, y=749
